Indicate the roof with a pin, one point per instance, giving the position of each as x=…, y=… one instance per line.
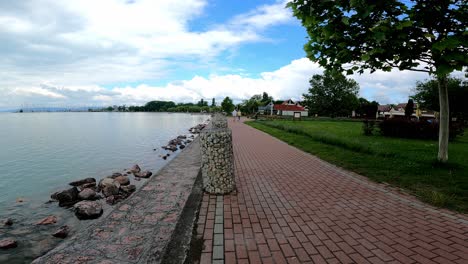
x=288, y=107
x=384, y=108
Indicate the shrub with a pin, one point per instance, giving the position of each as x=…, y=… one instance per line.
x=368, y=127
x=416, y=129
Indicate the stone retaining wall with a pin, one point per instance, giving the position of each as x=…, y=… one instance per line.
x=217, y=159
x=219, y=121
x=140, y=228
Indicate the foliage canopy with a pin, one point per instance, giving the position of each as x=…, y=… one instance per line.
x=332, y=95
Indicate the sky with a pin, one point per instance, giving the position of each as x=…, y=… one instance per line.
x=113, y=52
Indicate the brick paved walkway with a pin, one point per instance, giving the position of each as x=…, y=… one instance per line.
x=291, y=207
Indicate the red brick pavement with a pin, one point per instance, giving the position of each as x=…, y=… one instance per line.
x=291, y=207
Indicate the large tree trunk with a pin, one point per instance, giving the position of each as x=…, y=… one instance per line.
x=443, y=119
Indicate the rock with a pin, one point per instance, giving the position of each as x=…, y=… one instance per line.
x=91, y=185
x=62, y=232
x=8, y=243
x=110, y=190
x=87, y=194
x=51, y=219
x=182, y=146
x=110, y=200
x=182, y=137
x=106, y=182
x=20, y=200
x=129, y=188
x=116, y=174
x=171, y=147
x=123, y=180
x=135, y=168
x=88, y=210
x=67, y=197
x=164, y=157
x=137, y=179
x=83, y=181
x=8, y=222
x=144, y=174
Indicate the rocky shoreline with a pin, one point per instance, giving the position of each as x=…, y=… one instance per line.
x=87, y=196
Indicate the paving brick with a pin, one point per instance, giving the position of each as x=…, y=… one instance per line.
x=295, y=208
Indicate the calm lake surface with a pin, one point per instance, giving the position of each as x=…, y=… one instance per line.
x=40, y=153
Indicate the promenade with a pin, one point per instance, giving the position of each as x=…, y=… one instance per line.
x=291, y=207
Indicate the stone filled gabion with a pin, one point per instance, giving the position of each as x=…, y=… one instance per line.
x=219, y=121
x=217, y=161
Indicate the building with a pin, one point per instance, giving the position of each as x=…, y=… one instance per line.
x=398, y=111
x=290, y=108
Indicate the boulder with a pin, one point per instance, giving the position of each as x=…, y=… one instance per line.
x=115, y=175
x=83, y=181
x=67, y=197
x=128, y=189
x=122, y=180
x=62, y=232
x=135, y=168
x=144, y=174
x=51, y=219
x=182, y=137
x=87, y=194
x=106, y=182
x=110, y=190
x=8, y=222
x=182, y=146
x=91, y=185
x=110, y=200
x=8, y=243
x=88, y=210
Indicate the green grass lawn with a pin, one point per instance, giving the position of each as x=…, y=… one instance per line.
x=406, y=163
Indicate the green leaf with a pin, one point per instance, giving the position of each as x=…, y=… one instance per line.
x=447, y=43
x=379, y=36
x=444, y=69
x=365, y=57
x=345, y=21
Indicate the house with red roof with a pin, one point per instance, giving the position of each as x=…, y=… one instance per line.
x=290, y=108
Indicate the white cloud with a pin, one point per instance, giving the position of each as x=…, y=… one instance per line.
x=37, y=91
x=289, y=81
x=87, y=42
x=264, y=16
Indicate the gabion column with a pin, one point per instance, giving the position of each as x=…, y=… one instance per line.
x=217, y=161
x=219, y=121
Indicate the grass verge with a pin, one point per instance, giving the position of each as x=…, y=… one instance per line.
x=406, y=163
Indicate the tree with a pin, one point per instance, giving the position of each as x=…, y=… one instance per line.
x=213, y=103
x=367, y=109
x=227, y=105
x=251, y=106
x=423, y=35
x=409, y=108
x=427, y=95
x=202, y=103
x=332, y=95
x=158, y=106
x=266, y=98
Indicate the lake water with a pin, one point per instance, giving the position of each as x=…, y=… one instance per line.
x=40, y=153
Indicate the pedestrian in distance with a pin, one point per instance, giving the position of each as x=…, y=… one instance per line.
x=234, y=114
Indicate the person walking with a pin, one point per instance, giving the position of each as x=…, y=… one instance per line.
x=239, y=114
x=234, y=114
